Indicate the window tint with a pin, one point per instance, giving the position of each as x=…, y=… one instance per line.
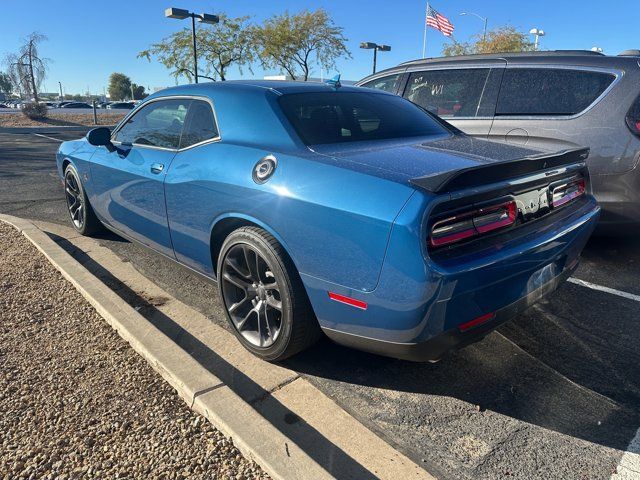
x=332, y=117
x=388, y=83
x=158, y=124
x=448, y=93
x=550, y=91
x=200, y=124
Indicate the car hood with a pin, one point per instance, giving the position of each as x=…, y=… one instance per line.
x=404, y=159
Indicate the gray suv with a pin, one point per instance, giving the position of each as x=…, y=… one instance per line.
x=544, y=100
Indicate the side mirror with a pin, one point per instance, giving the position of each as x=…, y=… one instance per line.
x=100, y=137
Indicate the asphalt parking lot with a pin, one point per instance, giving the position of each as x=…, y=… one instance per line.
x=554, y=393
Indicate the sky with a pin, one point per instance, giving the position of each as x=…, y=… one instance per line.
x=90, y=39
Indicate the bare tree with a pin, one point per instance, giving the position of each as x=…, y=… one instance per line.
x=27, y=68
x=293, y=43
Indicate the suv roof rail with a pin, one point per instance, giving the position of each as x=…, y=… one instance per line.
x=633, y=52
x=542, y=53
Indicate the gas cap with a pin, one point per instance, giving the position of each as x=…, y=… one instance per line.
x=518, y=136
x=264, y=169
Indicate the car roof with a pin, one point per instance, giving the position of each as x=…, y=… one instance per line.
x=585, y=58
x=281, y=87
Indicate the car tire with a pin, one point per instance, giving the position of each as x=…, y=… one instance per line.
x=251, y=259
x=83, y=218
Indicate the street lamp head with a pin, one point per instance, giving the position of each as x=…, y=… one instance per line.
x=177, y=13
x=384, y=48
x=368, y=45
x=208, y=18
x=536, y=31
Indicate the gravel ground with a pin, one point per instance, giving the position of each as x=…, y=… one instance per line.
x=61, y=119
x=77, y=402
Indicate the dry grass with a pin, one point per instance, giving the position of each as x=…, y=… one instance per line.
x=60, y=119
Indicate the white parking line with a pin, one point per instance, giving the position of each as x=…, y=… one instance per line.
x=50, y=138
x=612, y=291
x=629, y=466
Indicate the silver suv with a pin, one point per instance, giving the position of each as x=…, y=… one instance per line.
x=544, y=100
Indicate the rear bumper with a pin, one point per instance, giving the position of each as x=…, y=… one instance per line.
x=435, y=348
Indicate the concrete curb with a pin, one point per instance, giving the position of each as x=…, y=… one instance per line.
x=262, y=430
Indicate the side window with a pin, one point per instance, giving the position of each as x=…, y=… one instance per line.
x=448, y=93
x=200, y=125
x=388, y=84
x=549, y=91
x=158, y=124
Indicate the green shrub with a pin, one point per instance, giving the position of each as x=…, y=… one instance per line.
x=35, y=111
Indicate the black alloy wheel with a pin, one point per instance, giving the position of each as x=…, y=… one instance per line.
x=263, y=295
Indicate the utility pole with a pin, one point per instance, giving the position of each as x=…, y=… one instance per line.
x=181, y=14
x=61, y=95
x=538, y=33
x=375, y=47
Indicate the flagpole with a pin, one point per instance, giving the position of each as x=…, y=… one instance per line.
x=424, y=37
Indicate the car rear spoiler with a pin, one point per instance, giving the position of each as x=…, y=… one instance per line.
x=498, y=171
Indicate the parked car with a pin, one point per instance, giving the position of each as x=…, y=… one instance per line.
x=2, y=105
x=76, y=105
x=541, y=100
x=120, y=106
x=335, y=209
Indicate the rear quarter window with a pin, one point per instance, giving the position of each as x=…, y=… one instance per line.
x=550, y=91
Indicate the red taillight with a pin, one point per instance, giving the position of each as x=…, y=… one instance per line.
x=471, y=224
x=566, y=192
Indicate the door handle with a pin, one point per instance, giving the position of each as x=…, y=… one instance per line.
x=157, y=167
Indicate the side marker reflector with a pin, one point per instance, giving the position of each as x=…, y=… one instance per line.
x=475, y=322
x=348, y=300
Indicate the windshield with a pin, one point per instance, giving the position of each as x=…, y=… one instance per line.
x=337, y=117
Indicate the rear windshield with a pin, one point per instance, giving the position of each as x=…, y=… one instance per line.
x=337, y=117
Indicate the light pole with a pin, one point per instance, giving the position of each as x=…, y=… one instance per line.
x=61, y=96
x=484, y=19
x=538, y=33
x=181, y=14
x=375, y=47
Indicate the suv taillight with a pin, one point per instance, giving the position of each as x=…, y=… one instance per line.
x=470, y=224
x=633, y=117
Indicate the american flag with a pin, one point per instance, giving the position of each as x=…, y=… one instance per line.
x=439, y=22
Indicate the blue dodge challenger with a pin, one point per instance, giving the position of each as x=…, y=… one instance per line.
x=325, y=208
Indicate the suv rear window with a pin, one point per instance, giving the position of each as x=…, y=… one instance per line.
x=388, y=83
x=549, y=91
x=337, y=117
x=448, y=93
